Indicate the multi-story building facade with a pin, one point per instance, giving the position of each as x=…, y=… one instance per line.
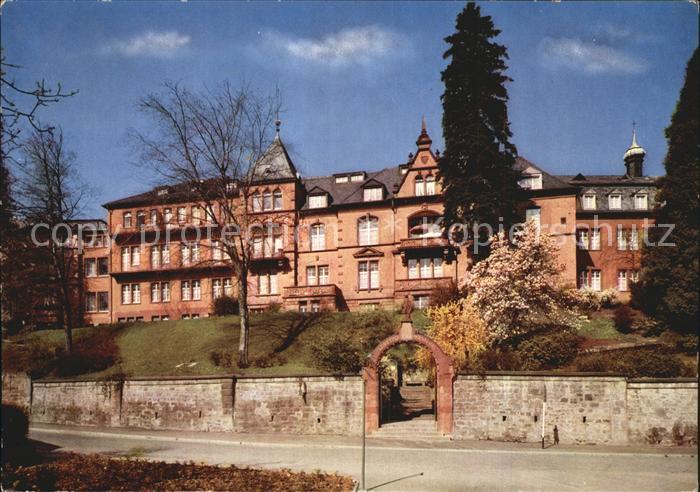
x=354, y=240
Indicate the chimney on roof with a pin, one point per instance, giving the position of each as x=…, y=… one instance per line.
x=424, y=140
x=634, y=157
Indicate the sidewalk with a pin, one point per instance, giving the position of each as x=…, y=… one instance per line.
x=353, y=442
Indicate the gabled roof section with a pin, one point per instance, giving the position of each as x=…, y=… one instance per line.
x=549, y=182
x=368, y=253
x=373, y=183
x=275, y=163
x=317, y=190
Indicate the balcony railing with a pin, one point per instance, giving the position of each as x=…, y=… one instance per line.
x=423, y=243
x=262, y=257
x=329, y=290
x=421, y=284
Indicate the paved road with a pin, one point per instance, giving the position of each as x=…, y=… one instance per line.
x=419, y=467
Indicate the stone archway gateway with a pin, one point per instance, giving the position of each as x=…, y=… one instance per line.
x=444, y=377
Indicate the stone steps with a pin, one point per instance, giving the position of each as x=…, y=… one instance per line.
x=409, y=430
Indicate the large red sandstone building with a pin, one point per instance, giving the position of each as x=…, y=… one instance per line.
x=365, y=239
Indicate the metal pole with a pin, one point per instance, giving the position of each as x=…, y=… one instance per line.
x=544, y=412
x=364, y=431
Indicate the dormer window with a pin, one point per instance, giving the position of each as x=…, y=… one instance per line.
x=318, y=201
x=373, y=194
x=356, y=178
x=641, y=201
x=615, y=201
x=341, y=179
x=230, y=187
x=162, y=192
x=420, y=189
x=531, y=182
x=589, y=201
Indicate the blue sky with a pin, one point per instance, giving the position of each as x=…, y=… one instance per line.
x=357, y=77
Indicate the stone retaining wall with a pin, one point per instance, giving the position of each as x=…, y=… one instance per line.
x=587, y=409
x=310, y=405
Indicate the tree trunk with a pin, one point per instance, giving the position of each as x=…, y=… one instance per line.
x=245, y=322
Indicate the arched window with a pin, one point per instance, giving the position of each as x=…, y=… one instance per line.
x=267, y=200
x=257, y=202
x=425, y=225
x=430, y=184
x=318, y=237
x=277, y=199
x=368, y=230
x=420, y=188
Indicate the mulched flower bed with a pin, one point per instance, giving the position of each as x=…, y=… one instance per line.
x=94, y=472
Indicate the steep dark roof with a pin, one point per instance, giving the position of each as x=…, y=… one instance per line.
x=609, y=180
x=352, y=191
x=275, y=163
x=549, y=181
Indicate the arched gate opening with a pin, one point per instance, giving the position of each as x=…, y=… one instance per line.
x=445, y=375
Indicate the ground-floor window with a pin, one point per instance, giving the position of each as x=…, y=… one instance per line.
x=590, y=279
x=190, y=316
x=267, y=283
x=303, y=307
x=315, y=306
x=368, y=274
x=421, y=301
x=625, y=278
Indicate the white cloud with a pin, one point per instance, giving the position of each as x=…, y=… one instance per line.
x=345, y=47
x=163, y=44
x=588, y=57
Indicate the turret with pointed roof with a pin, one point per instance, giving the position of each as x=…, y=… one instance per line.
x=634, y=157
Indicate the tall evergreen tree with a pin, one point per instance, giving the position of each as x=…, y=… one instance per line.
x=479, y=181
x=668, y=283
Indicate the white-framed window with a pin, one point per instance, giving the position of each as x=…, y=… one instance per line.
x=595, y=239
x=194, y=249
x=165, y=254
x=126, y=220
x=634, y=239
x=135, y=256
x=318, y=237
x=154, y=217
x=531, y=182
x=368, y=230
x=268, y=245
x=103, y=266
x=317, y=275
x=103, y=302
x=267, y=200
x=596, y=280
x=622, y=280
x=615, y=201
x=196, y=290
x=356, y=178
x=185, y=290
x=582, y=239
x=267, y=283
x=303, y=307
x=181, y=215
x=91, y=302
x=368, y=274
x=140, y=218
x=318, y=201
x=533, y=214
x=641, y=201
x=633, y=276
x=165, y=292
x=430, y=185
x=424, y=226
x=589, y=202
x=424, y=267
x=622, y=239
x=421, y=301
x=168, y=216
x=216, y=288
x=420, y=187
x=91, y=267
x=277, y=200
x=315, y=306
x=136, y=293
x=155, y=292
x=341, y=179
x=126, y=258
x=228, y=287
x=373, y=194
x=216, y=252
x=583, y=279
x=257, y=202
x=196, y=214
x=155, y=256
x=126, y=294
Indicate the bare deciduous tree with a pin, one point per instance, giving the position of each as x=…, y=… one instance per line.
x=214, y=141
x=50, y=193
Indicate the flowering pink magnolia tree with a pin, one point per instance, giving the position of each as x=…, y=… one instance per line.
x=519, y=286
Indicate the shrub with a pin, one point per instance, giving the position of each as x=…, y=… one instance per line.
x=93, y=352
x=683, y=433
x=634, y=363
x=337, y=355
x=609, y=299
x=15, y=425
x=548, y=350
x=444, y=294
x=274, y=307
x=655, y=435
x=498, y=359
x=623, y=319
x=592, y=300
x=648, y=327
x=226, y=306
x=263, y=361
x=688, y=344
x=222, y=358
